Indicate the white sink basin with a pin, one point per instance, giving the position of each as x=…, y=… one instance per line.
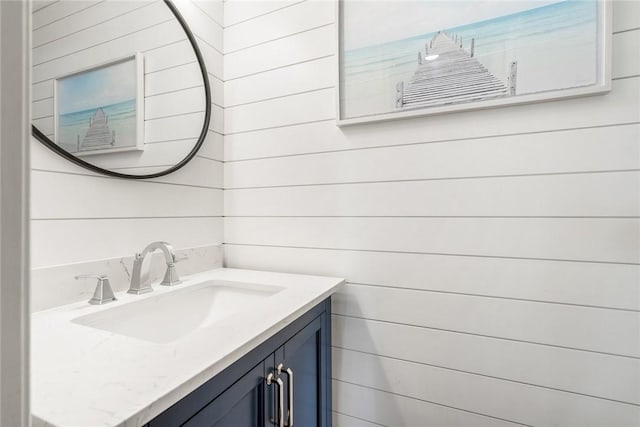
x=166, y=317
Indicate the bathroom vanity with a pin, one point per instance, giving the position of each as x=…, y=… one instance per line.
x=226, y=347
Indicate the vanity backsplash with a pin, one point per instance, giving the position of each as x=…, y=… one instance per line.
x=54, y=286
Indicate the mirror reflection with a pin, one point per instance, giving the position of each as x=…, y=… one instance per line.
x=117, y=84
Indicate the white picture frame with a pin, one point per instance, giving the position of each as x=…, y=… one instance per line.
x=124, y=99
x=602, y=77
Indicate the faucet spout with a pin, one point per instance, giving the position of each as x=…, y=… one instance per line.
x=170, y=278
x=166, y=248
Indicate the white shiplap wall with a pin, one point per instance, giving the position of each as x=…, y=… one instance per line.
x=491, y=256
x=79, y=216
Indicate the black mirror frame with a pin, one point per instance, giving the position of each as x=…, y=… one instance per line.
x=203, y=133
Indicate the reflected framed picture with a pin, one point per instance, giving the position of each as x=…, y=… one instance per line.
x=409, y=58
x=101, y=109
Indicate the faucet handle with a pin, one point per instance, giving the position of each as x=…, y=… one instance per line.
x=171, y=276
x=103, y=293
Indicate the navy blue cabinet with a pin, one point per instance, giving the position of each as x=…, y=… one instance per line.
x=298, y=362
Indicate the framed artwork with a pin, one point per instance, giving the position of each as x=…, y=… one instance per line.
x=101, y=109
x=409, y=58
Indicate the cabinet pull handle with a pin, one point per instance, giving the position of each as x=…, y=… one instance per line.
x=271, y=378
x=289, y=373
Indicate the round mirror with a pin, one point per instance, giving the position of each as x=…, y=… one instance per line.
x=118, y=87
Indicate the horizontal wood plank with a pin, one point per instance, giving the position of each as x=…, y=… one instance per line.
x=290, y=20
x=591, y=284
x=577, y=239
x=169, y=55
x=56, y=10
x=587, y=194
x=95, y=14
x=173, y=79
x=585, y=328
x=238, y=11
x=110, y=238
x=300, y=47
x=59, y=195
x=594, y=374
x=310, y=106
x=281, y=82
x=177, y=103
x=172, y=128
x=200, y=171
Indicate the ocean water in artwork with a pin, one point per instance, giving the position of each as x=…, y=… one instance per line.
x=554, y=46
x=120, y=127
x=97, y=109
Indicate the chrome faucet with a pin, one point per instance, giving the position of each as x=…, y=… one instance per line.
x=138, y=285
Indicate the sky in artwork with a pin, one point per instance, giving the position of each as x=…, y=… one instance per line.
x=101, y=87
x=372, y=22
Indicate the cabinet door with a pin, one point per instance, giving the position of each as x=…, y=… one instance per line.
x=242, y=404
x=306, y=355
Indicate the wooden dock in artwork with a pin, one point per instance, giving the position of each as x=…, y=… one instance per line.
x=450, y=74
x=99, y=134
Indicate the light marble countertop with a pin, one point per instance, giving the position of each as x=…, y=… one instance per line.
x=81, y=376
